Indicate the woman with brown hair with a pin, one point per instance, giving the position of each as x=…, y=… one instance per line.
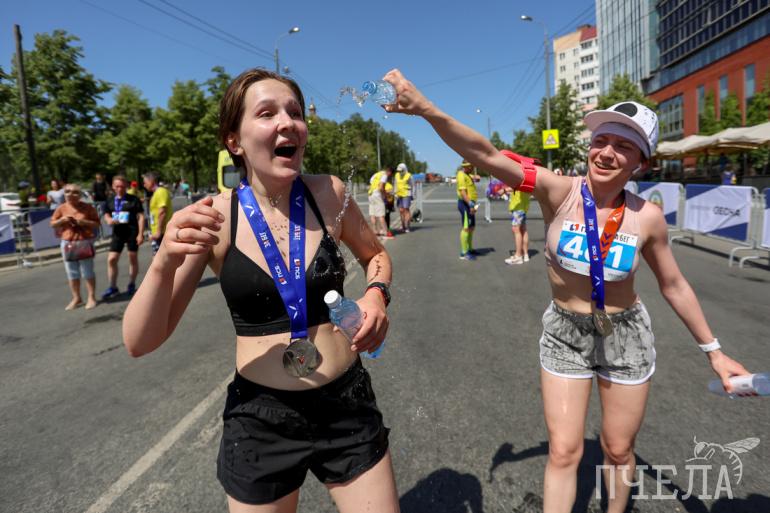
x=300, y=399
x=76, y=222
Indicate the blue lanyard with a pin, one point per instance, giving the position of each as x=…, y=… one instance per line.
x=594, y=248
x=291, y=286
x=119, y=203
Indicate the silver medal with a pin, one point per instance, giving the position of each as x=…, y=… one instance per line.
x=300, y=358
x=602, y=322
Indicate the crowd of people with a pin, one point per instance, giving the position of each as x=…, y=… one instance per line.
x=121, y=208
x=388, y=191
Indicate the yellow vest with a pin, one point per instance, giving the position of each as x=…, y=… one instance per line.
x=402, y=184
x=374, y=183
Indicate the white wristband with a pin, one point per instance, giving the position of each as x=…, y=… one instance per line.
x=711, y=346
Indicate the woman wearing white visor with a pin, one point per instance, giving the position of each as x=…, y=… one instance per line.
x=596, y=324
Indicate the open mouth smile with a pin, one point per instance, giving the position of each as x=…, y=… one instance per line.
x=286, y=151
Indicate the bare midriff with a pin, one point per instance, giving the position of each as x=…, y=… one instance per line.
x=573, y=292
x=260, y=359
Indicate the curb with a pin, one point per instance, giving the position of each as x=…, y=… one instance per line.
x=16, y=261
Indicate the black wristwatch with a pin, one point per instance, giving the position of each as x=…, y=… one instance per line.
x=382, y=287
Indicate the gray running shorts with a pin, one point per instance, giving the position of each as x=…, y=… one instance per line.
x=571, y=347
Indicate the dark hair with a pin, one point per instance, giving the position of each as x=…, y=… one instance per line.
x=231, y=107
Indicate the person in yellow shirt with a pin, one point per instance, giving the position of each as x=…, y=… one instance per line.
x=466, y=204
x=160, y=209
x=518, y=207
x=404, y=185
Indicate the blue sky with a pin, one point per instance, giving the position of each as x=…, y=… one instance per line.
x=464, y=55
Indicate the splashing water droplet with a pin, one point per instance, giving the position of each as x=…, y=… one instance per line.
x=358, y=97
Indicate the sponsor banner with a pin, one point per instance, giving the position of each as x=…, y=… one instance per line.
x=766, y=224
x=663, y=194
x=722, y=210
x=43, y=236
x=7, y=242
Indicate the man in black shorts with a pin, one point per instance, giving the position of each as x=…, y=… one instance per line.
x=125, y=214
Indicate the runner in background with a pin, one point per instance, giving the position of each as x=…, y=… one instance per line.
x=404, y=188
x=596, y=324
x=466, y=204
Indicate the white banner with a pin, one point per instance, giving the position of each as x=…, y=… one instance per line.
x=766, y=223
x=43, y=236
x=663, y=194
x=7, y=241
x=722, y=210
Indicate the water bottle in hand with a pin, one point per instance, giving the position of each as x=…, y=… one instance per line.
x=345, y=314
x=744, y=386
x=380, y=91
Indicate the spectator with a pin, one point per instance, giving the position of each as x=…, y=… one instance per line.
x=55, y=196
x=160, y=209
x=377, y=200
x=404, y=186
x=99, y=193
x=76, y=221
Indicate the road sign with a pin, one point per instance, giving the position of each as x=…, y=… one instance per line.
x=550, y=139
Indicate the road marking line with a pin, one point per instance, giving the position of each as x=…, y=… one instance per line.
x=154, y=454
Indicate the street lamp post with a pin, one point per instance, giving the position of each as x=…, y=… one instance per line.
x=291, y=31
x=489, y=124
x=379, y=160
x=547, y=79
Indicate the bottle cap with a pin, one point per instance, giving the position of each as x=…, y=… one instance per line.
x=369, y=86
x=332, y=298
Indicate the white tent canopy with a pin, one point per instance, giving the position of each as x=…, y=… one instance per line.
x=726, y=141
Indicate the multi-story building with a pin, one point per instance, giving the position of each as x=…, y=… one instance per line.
x=718, y=46
x=576, y=62
x=627, y=31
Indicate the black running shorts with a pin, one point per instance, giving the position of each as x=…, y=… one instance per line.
x=272, y=437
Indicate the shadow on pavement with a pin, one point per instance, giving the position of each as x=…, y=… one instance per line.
x=593, y=456
x=444, y=490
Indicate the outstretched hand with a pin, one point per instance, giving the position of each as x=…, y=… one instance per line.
x=409, y=100
x=725, y=367
x=188, y=231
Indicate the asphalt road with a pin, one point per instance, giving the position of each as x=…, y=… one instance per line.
x=86, y=428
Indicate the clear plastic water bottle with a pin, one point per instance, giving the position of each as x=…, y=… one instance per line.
x=744, y=386
x=345, y=314
x=381, y=92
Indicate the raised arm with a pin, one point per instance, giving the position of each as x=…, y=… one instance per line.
x=550, y=191
x=677, y=291
x=172, y=278
x=370, y=253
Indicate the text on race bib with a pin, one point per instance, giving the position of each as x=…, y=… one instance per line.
x=572, y=252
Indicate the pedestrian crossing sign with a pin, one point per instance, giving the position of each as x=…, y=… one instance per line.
x=550, y=139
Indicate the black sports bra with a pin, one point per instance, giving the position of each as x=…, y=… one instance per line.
x=254, y=302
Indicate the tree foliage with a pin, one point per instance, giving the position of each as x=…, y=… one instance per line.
x=622, y=88
x=708, y=124
x=77, y=136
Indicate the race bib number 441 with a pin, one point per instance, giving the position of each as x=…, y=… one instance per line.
x=572, y=252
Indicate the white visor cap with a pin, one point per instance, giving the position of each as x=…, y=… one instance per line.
x=401, y=167
x=634, y=115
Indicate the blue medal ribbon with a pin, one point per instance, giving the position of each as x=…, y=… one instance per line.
x=290, y=285
x=118, y=203
x=594, y=247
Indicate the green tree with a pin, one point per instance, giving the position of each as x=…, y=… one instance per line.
x=566, y=117
x=497, y=141
x=177, y=132
x=64, y=106
x=125, y=141
x=622, y=89
x=758, y=109
x=708, y=124
x=730, y=112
